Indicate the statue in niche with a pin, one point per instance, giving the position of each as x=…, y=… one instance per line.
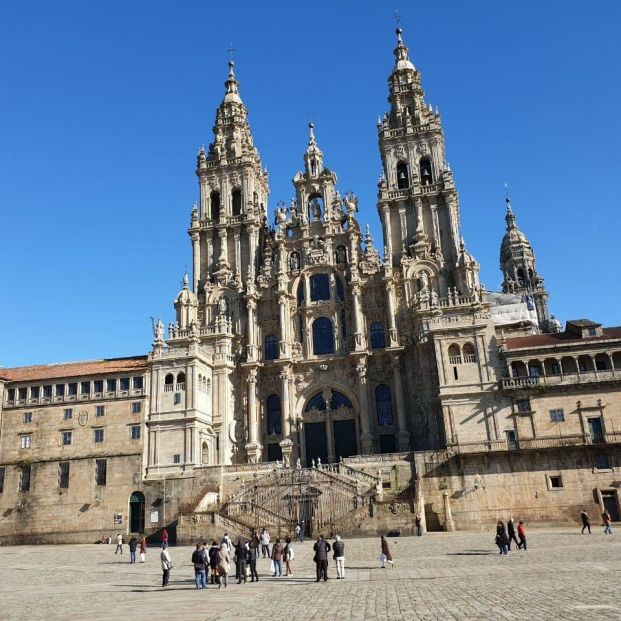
x=341, y=254
x=315, y=210
x=223, y=307
x=294, y=261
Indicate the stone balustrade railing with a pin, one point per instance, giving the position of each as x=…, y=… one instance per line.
x=542, y=381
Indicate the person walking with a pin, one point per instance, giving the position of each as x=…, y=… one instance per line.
x=288, y=556
x=241, y=554
x=264, y=538
x=607, y=523
x=212, y=554
x=167, y=564
x=502, y=540
x=386, y=556
x=251, y=560
x=164, y=537
x=418, y=522
x=199, y=562
x=299, y=536
x=338, y=548
x=133, y=544
x=224, y=565
x=277, y=555
x=143, y=549
x=521, y=529
x=586, y=522
x=511, y=533
x=119, y=544
x=321, y=548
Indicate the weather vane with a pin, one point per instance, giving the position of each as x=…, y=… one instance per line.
x=397, y=17
x=230, y=50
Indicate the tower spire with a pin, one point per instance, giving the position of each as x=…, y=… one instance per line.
x=401, y=54
x=232, y=86
x=313, y=158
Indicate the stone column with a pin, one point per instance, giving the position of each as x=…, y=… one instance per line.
x=392, y=325
x=253, y=448
x=284, y=332
x=251, y=347
x=196, y=261
x=359, y=336
x=387, y=230
x=449, y=523
x=252, y=233
x=223, y=259
x=327, y=395
x=403, y=435
x=366, y=438
x=284, y=404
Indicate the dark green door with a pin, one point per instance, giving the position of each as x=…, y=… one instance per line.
x=136, y=512
x=345, y=438
x=316, y=442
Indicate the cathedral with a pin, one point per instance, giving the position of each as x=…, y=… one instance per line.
x=301, y=341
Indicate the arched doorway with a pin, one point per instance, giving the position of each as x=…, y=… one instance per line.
x=136, y=512
x=330, y=431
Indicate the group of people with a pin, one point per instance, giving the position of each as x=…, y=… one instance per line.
x=586, y=522
x=506, y=535
x=133, y=544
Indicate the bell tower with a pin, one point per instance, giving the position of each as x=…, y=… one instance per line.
x=233, y=197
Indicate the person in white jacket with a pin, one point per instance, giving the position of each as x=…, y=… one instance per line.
x=166, y=564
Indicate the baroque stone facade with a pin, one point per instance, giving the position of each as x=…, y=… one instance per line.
x=302, y=343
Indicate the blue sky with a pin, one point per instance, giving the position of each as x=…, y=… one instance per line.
x=104, y=105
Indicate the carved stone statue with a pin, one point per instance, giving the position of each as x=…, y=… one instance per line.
x=223, y=307
x=298, y=464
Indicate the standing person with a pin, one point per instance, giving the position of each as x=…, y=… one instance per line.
x=133, y=544
x=241, y=553
x=339, y=557
x=418, y=521
x=229, y=543
x=511, y=533
x=119, y=544
x=586, y=522
x=288, y=556
x=522, y=533
x=251, y=559
x=143, y=549
x=213, y=561
x=224, y=565
x=264, y=538
x=607, y=523
x=302, y=531
x=298, y=533
x=198, y=560
x=164, y=538
x=321, y=547
x=386, y=556
x=277, y=554
x=502, y=540
x=166, y=564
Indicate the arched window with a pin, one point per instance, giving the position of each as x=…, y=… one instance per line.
x=323, y=336
x=468, y=352
x=215, y=205
x=426, y=176
x=273, y=414
x=315, y=208
x=236, y=197
x=338, y=400
x=454, y=354
x=204, y=454
x=169, y=379
x=403, y=177
x=271, y=347
x=319, y=287
x=340, y=290
x=377, y=335
x=383, y=403
x=301, y=293
x=180, y=379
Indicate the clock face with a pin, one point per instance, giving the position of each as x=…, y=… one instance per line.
x=83, y=417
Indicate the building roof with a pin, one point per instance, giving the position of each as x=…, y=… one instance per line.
x=74, y=369
x=559, y=339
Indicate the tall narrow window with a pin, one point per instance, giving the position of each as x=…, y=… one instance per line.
x=63, y=474
x=273, y=414
x=2, y=471
x=383, y=403
x=215, y=205
x=301, y=293
x=403, y=176
x=236, y=202
x=24, y=479
x=271, y=347
x=101, y=471
x=340, y=290
x=377, y=335
x=323, y=336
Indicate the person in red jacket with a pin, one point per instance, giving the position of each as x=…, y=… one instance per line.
x=522, y=535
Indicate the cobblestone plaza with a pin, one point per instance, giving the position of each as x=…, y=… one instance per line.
x=563, y=575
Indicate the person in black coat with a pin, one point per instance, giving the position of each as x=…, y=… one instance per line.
x=251, y=561
x=241, y=553
x=321, y=548
x=502, y=540
x=511, y=533
x=213, y=561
